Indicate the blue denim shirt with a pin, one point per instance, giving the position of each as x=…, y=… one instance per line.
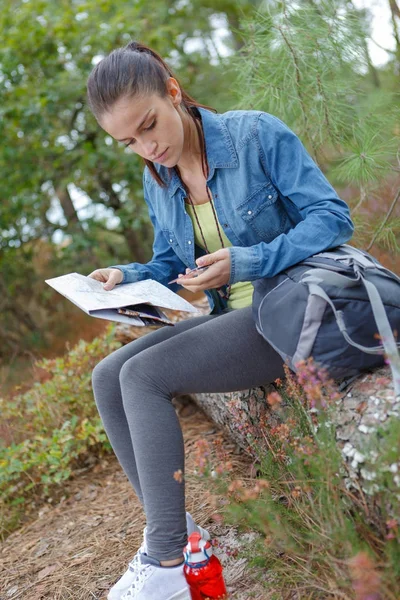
x=273, y=201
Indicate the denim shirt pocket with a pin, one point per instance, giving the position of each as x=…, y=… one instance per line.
x=264, y=212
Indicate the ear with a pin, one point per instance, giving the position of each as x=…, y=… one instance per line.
x=174, y=91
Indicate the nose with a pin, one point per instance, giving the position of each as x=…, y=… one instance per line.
x=150, y=149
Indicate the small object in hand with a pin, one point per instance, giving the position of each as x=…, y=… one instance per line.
x=192, y=273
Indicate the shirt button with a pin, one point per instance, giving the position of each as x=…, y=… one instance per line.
x=170, y=241
x=225, y=224
x=189, y=242
x=249, y=212
x=269, y=197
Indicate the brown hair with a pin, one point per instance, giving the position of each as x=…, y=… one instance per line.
x=137, y=70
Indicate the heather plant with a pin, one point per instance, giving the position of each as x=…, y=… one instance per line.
x=52, y=427
x=318, y=538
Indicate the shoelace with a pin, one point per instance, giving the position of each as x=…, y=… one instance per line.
x=139, y=581
x=136, y=559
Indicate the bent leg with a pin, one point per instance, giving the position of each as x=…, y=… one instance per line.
x=221, y=355
x=107, y=393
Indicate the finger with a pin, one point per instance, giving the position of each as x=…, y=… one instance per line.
x=112, y=281
x=193, y=288
x=93, y=275
x=196, y=284
x=184, y=277
x=206, y=260
x=194, y=279
x=98, y=276
x=209, y=259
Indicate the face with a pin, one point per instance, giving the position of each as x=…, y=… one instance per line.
x=150, y=126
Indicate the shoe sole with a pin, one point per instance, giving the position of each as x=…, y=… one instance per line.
x=183, y=595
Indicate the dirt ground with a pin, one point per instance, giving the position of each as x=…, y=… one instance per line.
x=78, y=547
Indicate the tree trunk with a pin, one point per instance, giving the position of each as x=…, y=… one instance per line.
x=366, y=404
x=68, y=206
x=136, y=243
x=138, y=252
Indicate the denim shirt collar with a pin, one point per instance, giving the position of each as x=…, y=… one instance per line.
x=219, y=146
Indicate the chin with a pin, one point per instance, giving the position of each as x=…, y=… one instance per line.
x=171, y=162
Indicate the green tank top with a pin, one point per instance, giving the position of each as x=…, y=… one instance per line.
x=241, y=293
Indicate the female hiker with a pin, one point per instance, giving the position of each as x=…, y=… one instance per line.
x=236, y=192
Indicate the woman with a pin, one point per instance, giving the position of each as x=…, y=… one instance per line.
x=236, y=192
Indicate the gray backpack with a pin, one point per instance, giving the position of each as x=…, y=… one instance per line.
x=338, y=306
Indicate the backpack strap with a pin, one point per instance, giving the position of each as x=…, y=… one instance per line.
x=316, y=276
x=354, y=254
x=349, y=256
x=357, y=254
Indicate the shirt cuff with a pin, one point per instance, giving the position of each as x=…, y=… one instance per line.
x=245, y=264
x=129, y=275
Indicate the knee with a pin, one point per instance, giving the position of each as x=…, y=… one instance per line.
x=100, y=372
x=131, y=371
x=138, y=375
x=104, y=379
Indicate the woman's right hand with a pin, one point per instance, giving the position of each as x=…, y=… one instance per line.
x=110, y=277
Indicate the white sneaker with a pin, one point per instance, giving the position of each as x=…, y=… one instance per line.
x=130, y=574
x=154, y=582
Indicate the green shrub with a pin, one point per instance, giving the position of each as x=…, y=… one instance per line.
x=55, y=424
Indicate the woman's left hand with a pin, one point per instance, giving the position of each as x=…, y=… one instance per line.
x=217, y=274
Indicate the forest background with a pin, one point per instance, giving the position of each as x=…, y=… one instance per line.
x=71, y=200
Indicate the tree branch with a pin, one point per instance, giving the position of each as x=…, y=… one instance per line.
x=106, y=184
x=382, y=48
x=385, y=220
x=394, y=8
x=298, y=86
x=67, y=205
x=363, y=195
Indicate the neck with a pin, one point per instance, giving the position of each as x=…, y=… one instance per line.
x=190, y=162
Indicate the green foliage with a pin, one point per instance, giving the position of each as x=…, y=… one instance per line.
x=46, y=54
x=55, y=424
x=308, y=64
x=53, y=153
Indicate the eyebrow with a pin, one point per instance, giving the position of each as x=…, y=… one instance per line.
x=142, y=123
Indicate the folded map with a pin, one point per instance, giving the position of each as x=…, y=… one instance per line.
x=90, y=296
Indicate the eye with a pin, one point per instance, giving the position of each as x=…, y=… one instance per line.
x=132, y=141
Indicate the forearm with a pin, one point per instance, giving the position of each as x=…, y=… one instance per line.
x=315, y=234
x=157, y=269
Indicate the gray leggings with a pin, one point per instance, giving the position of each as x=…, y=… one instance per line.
x=133, y=388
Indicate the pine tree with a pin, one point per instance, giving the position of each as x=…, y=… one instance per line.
x=308, y=64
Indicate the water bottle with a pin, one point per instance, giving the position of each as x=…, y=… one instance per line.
x=203, y=570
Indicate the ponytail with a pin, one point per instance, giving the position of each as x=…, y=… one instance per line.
x=137, y=71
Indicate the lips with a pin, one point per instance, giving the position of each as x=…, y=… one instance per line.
x=160, y=155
